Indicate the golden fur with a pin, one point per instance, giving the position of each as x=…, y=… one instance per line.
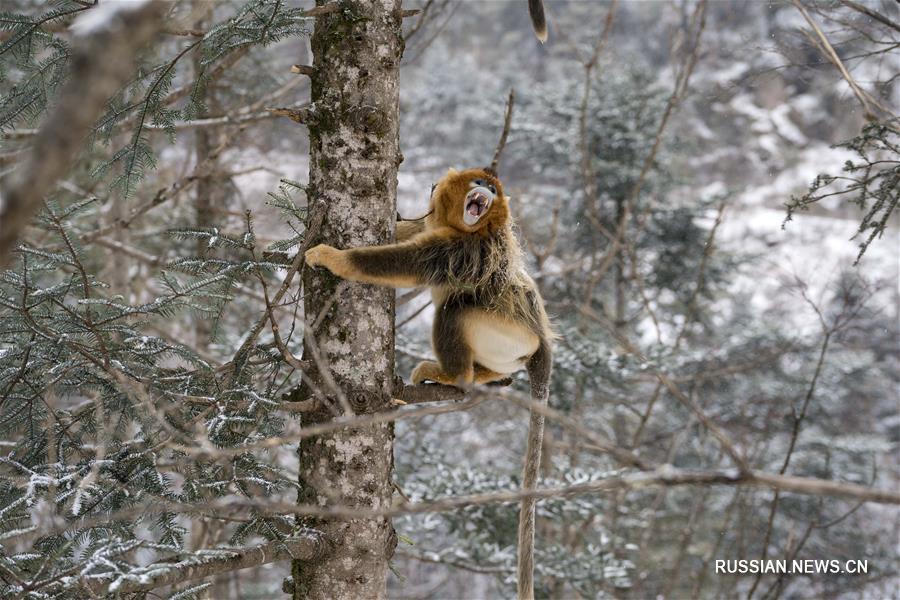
x=489, y=316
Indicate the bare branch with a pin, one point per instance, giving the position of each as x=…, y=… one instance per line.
x=299, y=115
x=663, y=475
x=507, y=120
x=865, y=99
x=871, y=13
x=302, y=70
x=698, y=22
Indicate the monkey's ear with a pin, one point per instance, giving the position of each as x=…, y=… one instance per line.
x=451, y=172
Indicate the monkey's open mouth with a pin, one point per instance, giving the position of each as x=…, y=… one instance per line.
x=478, y=201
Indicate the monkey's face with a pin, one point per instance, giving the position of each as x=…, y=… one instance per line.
x=470, y=201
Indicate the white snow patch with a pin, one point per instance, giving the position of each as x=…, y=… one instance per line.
x=103, y=16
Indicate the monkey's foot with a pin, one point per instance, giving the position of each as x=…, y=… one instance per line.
x=428, y=370
x=485, y=375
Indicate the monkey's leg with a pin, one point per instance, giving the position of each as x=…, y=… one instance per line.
x=455, y=362
x=428, y=370
x=485, y=375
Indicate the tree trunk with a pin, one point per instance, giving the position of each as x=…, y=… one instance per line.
x=620, y=321
x=354, y=155
x=208, y=191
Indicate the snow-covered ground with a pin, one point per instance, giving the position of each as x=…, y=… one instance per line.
x=814, y=250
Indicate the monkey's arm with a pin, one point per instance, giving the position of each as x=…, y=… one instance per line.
x=407, y=264
x=406, y=230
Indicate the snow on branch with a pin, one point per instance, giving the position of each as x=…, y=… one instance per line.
x=308, y=546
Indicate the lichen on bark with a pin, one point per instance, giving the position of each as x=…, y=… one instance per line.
x=354, y=155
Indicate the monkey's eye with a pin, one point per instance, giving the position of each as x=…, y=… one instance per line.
x=483, y=183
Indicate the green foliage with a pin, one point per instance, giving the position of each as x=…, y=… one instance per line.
x=98, y=405
x=871, y=182
x=100, y=409
x=34, y=61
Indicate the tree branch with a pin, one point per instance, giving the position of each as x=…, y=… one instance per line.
x=871, y=13
x=311, y=546
x=821, y=40
x=299, y=115
x=507, y=121
x=418, y=394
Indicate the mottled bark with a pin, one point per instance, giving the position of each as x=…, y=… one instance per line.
x=354, y=155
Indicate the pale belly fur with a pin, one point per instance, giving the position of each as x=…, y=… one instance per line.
x=498, y=344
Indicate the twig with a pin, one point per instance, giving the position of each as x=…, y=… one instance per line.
x=184, y=32
x=588, y=174
x=409, y=296
x=865, y=99
x=692, y=309
x=507, y=121
x=312, y=229
x=224, y=120
x=795, y=433
x=302, y=70
x=415, y=314
x=299, y=115
x=871, y=13
x=713, y=428
x=663, y=475
x=680, y=89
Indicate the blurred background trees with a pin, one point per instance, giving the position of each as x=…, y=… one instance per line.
x=655, y=154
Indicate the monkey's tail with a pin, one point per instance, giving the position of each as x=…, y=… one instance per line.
x=539, y=368
x=538, y=20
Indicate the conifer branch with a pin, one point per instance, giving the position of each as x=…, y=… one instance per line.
x=102, y=64
x=309, y=546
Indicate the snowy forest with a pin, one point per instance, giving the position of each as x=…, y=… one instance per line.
x=704, y=192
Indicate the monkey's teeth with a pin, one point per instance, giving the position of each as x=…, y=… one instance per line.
x=477, y=203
